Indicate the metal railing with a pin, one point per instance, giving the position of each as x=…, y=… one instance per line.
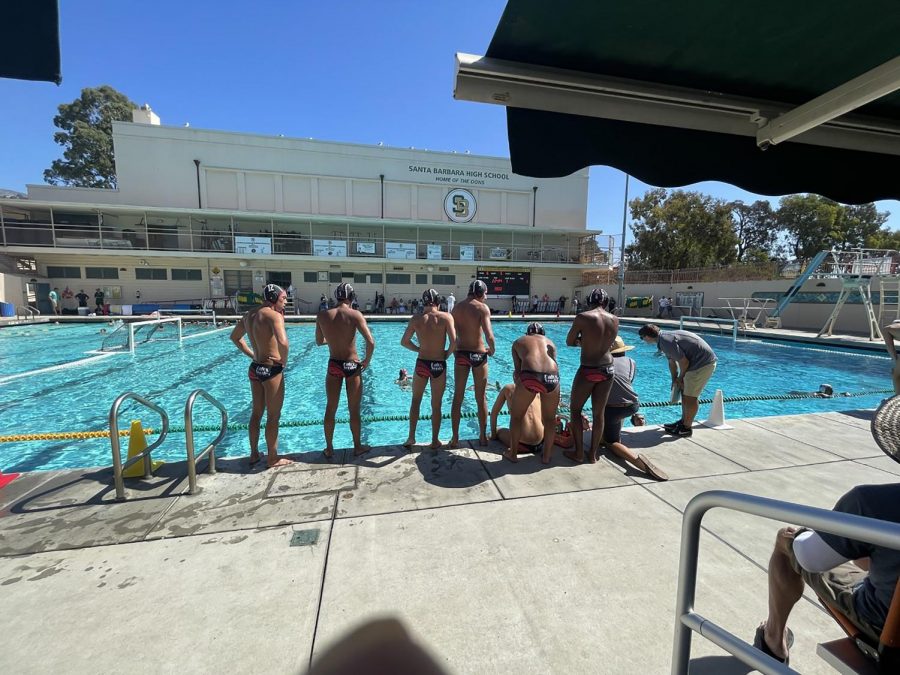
x=118, y=466
x=27, y=312
x=189, y=437
x=687, y=621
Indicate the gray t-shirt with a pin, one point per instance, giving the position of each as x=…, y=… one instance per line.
x=622, y=393
x=679, y=344
x=872, y=597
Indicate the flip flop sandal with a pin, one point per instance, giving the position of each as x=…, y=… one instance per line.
x=652, y=470
x=759, y=642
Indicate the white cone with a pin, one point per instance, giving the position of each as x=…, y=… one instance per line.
x=717, y=414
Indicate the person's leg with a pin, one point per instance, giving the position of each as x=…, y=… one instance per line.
x=689, y=407
x=418, y=389
x=460, y=379
x=438, y=384
x=581, y=389
x=480, y=379
x=694, y=382
x=503, y=435
x=599, y=396
x=785, y=590
x=258, y=407
x=518, y=405
x=354, y=397
x=274, y=390
x=332, y=397
x=549, y=406
x=895, y=375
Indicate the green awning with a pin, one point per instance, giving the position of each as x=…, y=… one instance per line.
x=676, y=93
x=29, y=48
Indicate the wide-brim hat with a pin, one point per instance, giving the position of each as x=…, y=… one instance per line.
x=619, y=346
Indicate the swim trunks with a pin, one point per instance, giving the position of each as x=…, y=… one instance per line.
x=471, y=359
x=597, y=373
x=260, y=372
x=429, y=368
x=535, y=448
x=539, y=383
x=343, y=369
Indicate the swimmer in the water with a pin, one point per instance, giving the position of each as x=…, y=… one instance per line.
x=403, y=379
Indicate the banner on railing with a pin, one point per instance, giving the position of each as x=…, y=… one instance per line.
x=399, y=251
x=467, y=252
x=434, y=252
x=365, y=247
x=335, y=248
x=252, y=245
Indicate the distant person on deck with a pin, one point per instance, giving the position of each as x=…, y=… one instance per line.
x=337, y=328
x=432, y=328
x=475, y=343
x=535, y=373
x=594, y=331
x=268, y=349
x=451, y=302
x=99, y=297
x=82, y=298
x=54, y=301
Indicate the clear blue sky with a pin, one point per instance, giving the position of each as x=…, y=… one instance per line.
x=355, y=71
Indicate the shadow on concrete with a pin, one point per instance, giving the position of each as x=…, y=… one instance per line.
x=718, y=665
x=448, y=468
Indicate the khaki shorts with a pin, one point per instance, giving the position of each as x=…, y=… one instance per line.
x=835, y=589
x=695, y=380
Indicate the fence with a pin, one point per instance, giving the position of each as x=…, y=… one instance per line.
x=609, y=277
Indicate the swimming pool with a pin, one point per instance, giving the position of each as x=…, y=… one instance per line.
x=75, y=388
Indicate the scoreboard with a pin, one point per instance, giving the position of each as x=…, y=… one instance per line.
x=506, y=282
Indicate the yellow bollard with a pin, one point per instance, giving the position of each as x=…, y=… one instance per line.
x=137, y=443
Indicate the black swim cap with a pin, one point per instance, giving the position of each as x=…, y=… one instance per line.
x=478, y=288
x=597, y=298
x=344, y=291
x=534, y=328
x=272, y=292
x=431, y=297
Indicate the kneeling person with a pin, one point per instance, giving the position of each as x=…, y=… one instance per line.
x=337, y=328
x=531, y=433
x=535, y=373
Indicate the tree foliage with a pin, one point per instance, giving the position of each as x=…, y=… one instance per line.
x=85, y=131
x=755, y=229
x=676, y=230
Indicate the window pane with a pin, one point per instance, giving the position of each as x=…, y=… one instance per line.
x=421, y=279
x=63, y=272
x=441, y=279
x=155, y=274
x=186, y=275
x=238, y=280
x=310, y=277
x=101, y=272
x=335, y=277
x=375, y=278
x=398, y=278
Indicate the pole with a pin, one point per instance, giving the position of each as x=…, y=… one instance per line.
x=620, y=299
x=199, y=200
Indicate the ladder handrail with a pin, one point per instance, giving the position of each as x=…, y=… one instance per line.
x=118, y=466
x=27, y=311
x=189, y=436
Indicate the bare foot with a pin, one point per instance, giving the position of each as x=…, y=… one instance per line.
x=572, y=455
x=436, y=445
x=328, y=452
x=454, y=443
x=409, y=443
x=279, y=461
x=591, y=457
x=483, y=441
x=511, y=456
x=546, y=457
x=254, y=459
x=361, y=450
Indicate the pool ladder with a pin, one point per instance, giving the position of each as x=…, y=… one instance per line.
x=192, y=458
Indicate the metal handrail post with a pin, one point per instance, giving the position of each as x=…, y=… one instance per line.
x=189, y=437
x=118, y=466
x=860, y=528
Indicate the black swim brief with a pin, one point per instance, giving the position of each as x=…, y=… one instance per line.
x=471, y=359
x=429, y=368
x=260, y=372
x=597, y=373
x=535, y=448
x=539, y=383
x=343, y=369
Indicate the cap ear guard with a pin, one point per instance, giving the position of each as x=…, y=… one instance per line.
x=272, y=292
x=598, y=298
x=431, y=297
x=344, y=291
x=478, y=288
x=535, y=328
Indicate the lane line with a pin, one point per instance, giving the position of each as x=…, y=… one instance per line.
x=62, y=366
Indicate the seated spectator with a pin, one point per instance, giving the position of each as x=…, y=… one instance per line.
x=822, y=561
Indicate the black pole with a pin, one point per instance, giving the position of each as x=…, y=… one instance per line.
x=381, y=176
x=533, y=204
x=199, y=201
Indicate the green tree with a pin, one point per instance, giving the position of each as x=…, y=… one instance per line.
x=756, y=230
x=86, y=134
x=678, y=229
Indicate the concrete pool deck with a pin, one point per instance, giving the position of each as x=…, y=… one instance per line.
x=494, y=567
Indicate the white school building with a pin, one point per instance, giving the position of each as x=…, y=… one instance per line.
x=202, y=214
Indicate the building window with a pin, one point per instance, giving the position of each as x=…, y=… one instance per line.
x=398, y=278
x=63, y=272
x=443, y=279
x=335, y=277
x=28, y=265
x=101, y=272
x=421, y=280
x=310, y=277
x=375, y=278
x=186, y=275
x=150, y=273
x=238, y=280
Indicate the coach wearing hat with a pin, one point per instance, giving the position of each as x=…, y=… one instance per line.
x=623, y=402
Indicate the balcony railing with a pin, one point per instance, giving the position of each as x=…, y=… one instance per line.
x=572, y=251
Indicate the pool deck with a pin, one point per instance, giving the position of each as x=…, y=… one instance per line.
x=494, y=567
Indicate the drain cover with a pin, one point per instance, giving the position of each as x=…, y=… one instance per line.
x=305, y=537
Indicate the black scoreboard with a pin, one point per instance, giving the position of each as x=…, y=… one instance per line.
x=506, y=282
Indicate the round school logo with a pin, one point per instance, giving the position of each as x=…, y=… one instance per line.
x=460, y=205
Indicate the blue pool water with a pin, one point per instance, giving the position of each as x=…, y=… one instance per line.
x=74, y=394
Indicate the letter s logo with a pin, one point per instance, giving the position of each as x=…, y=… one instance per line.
x=460, y=206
